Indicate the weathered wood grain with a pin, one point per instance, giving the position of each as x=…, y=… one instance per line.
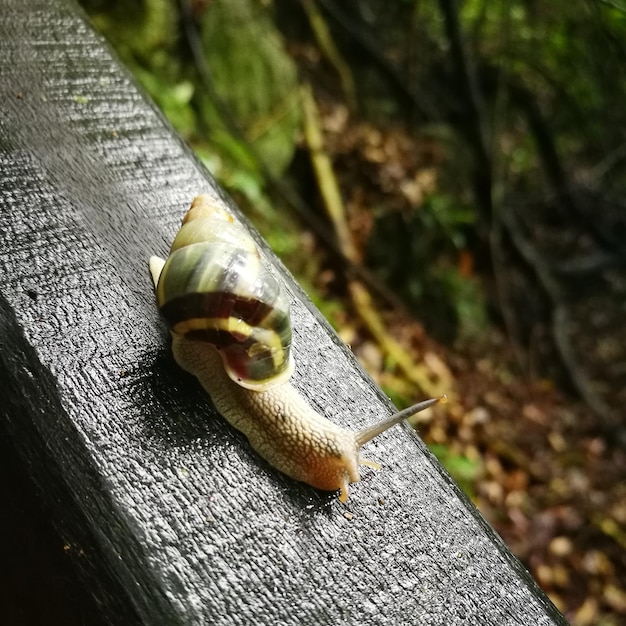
x=173, y=518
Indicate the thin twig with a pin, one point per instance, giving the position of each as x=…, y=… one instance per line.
x=374, y=48
x=327, y=45
x=427, y=381
x=613, y=5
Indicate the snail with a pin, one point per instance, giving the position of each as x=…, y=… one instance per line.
x=230, y=327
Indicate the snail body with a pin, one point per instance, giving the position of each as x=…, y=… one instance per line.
x=230, y=326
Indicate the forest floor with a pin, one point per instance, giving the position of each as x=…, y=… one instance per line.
x=536, y=464
x=548, y=481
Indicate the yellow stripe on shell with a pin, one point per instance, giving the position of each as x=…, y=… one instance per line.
x=235, y=326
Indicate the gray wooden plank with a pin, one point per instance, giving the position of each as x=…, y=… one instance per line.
x=176, y=519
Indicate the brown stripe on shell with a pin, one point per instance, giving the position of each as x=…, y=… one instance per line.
x=220, y=305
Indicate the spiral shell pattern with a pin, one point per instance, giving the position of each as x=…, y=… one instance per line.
x=215, y=288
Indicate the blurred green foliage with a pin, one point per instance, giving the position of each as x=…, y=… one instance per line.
x=234, y=124
x=421, y=269
x=465, y=471
x=240, y=40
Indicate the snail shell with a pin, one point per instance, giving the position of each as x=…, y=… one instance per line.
x=224, y=307
x=214, y=288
